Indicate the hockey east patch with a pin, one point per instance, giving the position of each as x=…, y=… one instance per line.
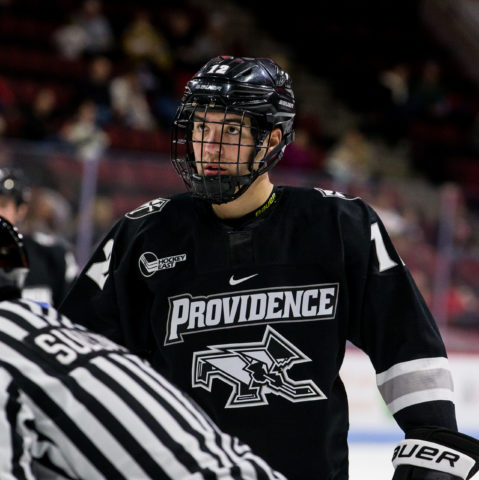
x=190, y=315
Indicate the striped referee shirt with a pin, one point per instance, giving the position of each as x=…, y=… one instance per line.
x=74, y=405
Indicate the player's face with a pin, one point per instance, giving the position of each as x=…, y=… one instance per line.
x=222, y=144
x=9, y=209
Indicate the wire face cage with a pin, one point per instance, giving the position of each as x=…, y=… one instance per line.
x=219, y=152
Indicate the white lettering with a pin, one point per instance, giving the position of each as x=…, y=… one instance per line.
x=230, y=313
x=292, y=306
x=98, y=271
x=197, y=314
x=326, y=296
x=82, y=349
x=213, y=312
x=243, y=317
x=188, y=314
x=384, y=260
x=274, y=308
x=179, y=316
x=307, y=307
x=258, y=306
x=49, y=344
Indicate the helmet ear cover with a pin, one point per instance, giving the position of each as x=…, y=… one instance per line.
x=14, y=264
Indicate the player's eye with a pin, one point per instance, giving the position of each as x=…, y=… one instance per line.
x=200, y=128
x=232, y=129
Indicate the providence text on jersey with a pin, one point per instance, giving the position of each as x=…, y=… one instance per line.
x=189, y=314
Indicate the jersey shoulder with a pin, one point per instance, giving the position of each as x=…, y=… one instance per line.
x=159, y=215
x=330, y=201
x=46, y=245
x=156, y=207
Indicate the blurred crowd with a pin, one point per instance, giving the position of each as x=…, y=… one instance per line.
x=90, y=78
x=102, y=77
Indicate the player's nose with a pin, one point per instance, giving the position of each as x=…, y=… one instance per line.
x=212, y=142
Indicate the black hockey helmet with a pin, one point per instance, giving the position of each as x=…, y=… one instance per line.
x=256, y=89
x=14, y=264
x=14, y=184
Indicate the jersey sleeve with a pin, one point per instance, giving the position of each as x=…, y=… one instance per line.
x=394, y=326
x=105, y=297
x=15, y=438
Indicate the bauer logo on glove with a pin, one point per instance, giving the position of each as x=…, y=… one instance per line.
x=436, y=454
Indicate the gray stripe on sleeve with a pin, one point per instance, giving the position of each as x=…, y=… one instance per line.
x=415, y=382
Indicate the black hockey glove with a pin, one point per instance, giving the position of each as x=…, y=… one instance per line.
x=430, y=453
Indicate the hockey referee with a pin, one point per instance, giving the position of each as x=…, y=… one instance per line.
x=75, y=405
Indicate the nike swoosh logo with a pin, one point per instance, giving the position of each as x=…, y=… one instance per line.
x=234, y=281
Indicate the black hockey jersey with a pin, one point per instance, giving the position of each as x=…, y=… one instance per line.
x=52, y=269
x=251, y=317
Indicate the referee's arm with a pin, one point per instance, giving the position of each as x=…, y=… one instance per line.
x=15, y=436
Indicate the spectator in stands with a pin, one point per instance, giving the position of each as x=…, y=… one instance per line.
x=52, y=263
x=428, y=93
x=181, y=32
x=387, y=206
x=97, y=27
x=463, y=306
x=49, y=213
x=143, y=42
x=149, y=52
x=214, y=37
x=88, y=32
x=303, y=154
x=7, y=97
x=96, y=88
x=84, y=134
x=130, y=103
x=40, y=119
x=397, y=83
x=7, y=103
x=352, y=158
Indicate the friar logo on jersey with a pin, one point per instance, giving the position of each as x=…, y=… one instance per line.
x=153, y=206
x=254, y=371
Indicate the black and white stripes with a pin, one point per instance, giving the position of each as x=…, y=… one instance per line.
x=100, y=413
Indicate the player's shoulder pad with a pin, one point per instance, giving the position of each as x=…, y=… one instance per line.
x=340, y=203
x=164, y=206
x=427, y=450
x=334, y=194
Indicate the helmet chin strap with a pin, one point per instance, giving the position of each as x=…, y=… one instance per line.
x=220, y=189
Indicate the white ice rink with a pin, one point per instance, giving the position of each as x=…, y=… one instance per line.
x=371, y=461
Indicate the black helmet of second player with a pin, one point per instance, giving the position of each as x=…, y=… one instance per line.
x=13, y=257
x=257, y=94
x=13, y=184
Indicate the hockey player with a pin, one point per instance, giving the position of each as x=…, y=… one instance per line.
x=245, y=293
x=75, y=405
x=52, y=263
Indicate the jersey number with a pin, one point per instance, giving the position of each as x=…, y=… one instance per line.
x=222, y=69
x=98, y=272
x=385, y=261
